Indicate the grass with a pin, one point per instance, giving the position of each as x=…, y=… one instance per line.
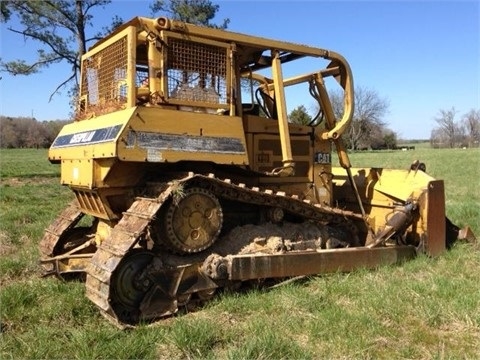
x=426, y=308
x=26, y=163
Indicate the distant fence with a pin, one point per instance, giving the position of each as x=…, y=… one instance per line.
x=403, y=148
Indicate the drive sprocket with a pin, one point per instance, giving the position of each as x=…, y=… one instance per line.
x=194, y=222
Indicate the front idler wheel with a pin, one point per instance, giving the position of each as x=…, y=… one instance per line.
x=129, y=285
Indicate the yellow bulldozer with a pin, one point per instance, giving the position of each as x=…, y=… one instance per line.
x=189, y=178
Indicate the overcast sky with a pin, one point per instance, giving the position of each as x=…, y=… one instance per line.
x=422, y=56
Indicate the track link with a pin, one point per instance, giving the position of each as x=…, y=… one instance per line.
x=305, y=208
x=67, y=219
x=124, y=236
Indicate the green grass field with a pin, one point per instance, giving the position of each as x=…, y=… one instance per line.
x=426, y=308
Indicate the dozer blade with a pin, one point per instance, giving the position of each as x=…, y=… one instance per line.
x=435, y=237
x=384, y=191
x=441, y=232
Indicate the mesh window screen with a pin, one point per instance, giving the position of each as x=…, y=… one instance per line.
x=196, y=72
x=104, y=82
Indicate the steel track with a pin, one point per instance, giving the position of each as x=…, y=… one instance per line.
x=135, y=222
x=67, y=219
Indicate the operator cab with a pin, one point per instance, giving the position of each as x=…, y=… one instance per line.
x=160, y=62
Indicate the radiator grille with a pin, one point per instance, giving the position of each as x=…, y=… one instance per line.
x=91, y=203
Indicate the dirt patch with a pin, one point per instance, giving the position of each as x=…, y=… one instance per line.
x=36, y=180
x=266, y=239
x=6, y=247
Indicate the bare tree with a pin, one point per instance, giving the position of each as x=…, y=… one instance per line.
x=437, y=138
x=471, y=121
x=367, y=122
x=446, y=121
x=59, y=26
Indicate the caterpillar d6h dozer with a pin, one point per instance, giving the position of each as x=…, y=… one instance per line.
x=188, y=176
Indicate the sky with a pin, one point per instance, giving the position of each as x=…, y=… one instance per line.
x=420, y=56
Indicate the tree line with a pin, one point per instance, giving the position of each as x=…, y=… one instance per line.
x=25, y=132
x=454, y=132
